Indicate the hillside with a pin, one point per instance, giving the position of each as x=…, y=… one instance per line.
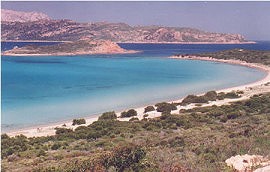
x=68, y=30
x=80, y=47
x=250, y=56
x=199, y=139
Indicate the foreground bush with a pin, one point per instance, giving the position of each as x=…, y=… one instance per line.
x=194, y=99
x=229, y=95
x=149, y=109
x=211, y=95
x=62, y=130
x=129, y=113
x=165, y=107
x=78, y=121
x=125, y=158
x=108, y=116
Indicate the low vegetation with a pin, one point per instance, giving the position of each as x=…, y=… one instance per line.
x=210, y=96
x=108, y=116
x=78, y=121
x=251, y=56
x=199, y=139
x=128, y=113
x=165, y=107
x=149, y=109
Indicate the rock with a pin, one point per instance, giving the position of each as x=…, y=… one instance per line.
x=245, y=163
x=263, y=169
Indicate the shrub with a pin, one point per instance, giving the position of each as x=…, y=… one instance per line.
x=194, y=99
x=129, y=113
x=126, y=157
x=221, y=96
x=62, y=130
x=211, y=95
x=108, y=116
x=78, y=121
x=233, y=115
x=165, y=107
x=145, y=115
x=56, y=146
x=149, y=109
x=232, y=95
x=134, y=119
x=41, y=153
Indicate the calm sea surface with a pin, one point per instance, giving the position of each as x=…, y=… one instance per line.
x=39, y=90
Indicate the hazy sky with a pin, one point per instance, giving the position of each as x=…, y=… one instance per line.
x=251, y=19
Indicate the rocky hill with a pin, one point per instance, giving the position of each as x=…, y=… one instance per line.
x=80, y=47
x=19, y=16
x=67, y=30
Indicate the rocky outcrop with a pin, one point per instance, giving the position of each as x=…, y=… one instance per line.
x=19, y=16
x=67, y=30
x=248, y=163
x=81, y=47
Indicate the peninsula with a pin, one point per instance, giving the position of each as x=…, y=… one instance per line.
x=80, y=47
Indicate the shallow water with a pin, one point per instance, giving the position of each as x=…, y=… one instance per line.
x=38, y=90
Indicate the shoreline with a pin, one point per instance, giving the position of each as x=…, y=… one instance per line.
x=67, y=54
x=257, y=87
x=246, y=42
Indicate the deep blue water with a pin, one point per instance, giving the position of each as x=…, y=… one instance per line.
x=38, y=90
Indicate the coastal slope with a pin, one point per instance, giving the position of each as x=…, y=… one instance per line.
x=81, y=47
x=68, y=30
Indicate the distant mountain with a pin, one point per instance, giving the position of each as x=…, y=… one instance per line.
x=19, y=16
x=67, y=30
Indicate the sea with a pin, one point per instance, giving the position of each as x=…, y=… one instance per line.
x=49, y=89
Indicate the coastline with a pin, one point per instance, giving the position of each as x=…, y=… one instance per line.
x=257, y=87
x=134, y=42
x=67, y=54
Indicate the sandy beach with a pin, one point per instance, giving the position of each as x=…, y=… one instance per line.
x=260, y=86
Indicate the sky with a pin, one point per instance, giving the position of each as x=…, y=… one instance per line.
x=251, y=19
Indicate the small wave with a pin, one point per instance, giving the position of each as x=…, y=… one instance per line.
x=41, y=62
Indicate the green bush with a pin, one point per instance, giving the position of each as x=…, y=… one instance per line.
x=194, y=99
x=149, y=109
x=10, y=145
x=78, y=121
x=41, y=153
x=129, y=113
x=165, y=107
x=62, y=130
x=134, y=119
x=232, y=95
x=56, y=146
x=221, y=96
x=125, y=158
x=145, y=115
x=211, y=95
x=108, y=116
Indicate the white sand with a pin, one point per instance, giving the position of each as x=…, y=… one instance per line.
x=251, y=89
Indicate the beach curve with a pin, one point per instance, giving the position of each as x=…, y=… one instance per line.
x=250, y=89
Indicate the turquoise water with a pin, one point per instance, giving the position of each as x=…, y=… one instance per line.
x=38, y=90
